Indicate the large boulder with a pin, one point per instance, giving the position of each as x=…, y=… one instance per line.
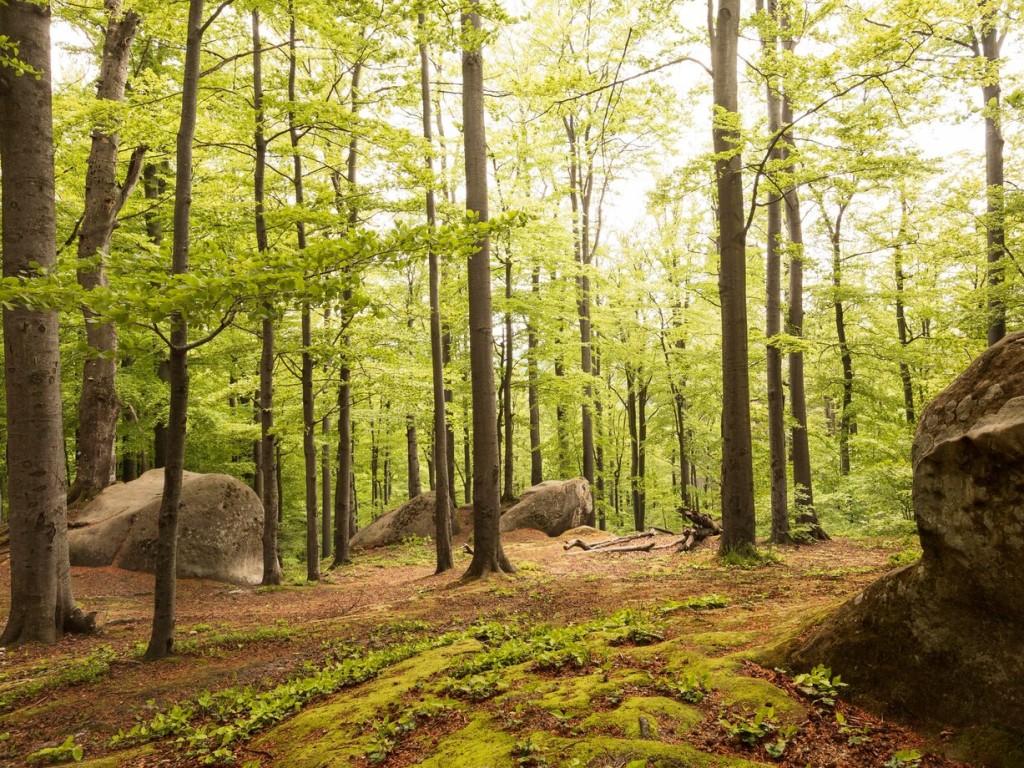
x=220, y=528
x=413, y=518
x=554, y=506
x=943, y=640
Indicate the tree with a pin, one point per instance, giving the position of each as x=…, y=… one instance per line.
x=488, y=556
x=442, y=499
x=737, y=459
x=98, y=405
x=161, y=641
x=42, y=605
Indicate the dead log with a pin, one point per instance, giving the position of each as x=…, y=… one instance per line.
x=701, y=520
x=607, y=542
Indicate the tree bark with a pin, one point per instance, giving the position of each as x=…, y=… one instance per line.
x=508, y=459
x=773, y=316
x=533, y=385
x=737, y=459
x=488, y=556
x=803, y=489
x=98, y=404
x=161, y=641
x=268, y=456
x=847, y=422
x=995, y=213
x=41, y=599
x=442, y=488
x=902, y=331
x=309, y=451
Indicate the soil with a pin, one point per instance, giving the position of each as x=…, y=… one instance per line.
x=93, y=686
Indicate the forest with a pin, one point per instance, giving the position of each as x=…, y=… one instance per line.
x=749, y=271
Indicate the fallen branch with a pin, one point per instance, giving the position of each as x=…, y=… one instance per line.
x=608, y=542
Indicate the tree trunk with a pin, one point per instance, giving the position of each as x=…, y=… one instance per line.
x=738, y=531
x=309, y=452
x=847, y=422
x=41, y=599
x=902, y=330
x=773, y=318
x=995, y=226
x=443, y=501
x=803, y=490
x=508, y=461
x=449, y=401
x=268, y=458
x=415, y=486
x=533, y=385
x=98, y=404
x=326, y=533
x=161, y=641
x=488, y=556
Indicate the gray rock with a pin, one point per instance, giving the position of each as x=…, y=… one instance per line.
x=413, y=518
x=220, y=528
x=554, y=506
x=943, y=639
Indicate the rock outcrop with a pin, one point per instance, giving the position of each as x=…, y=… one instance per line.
x=554, y=507
x=943, y=639
x=220, y=528
x=414, y=518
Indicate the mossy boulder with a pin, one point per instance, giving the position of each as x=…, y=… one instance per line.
x=220, y=528
x=942, y=640
x=554, y=507
x=413, y=518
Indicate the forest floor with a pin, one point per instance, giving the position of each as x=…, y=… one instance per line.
x=580, y=659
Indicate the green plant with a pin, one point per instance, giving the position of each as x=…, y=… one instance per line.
x=819, y=685
x=528, y=754
x=475, y=687
x=638, y=629
x=855, y=736
x=905, y=758
x=63, y=753
x=688, y=689
x=751, y=730
x=387, y=734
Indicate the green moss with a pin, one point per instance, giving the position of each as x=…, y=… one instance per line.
x=653, y=754
x=625, y=719
x=336, y=729
x=719, y=641
x=124, y=758
x=481, y=744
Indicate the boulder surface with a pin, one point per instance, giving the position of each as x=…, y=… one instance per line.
x=942, y=640
x=413, y=518
x=554, y=507
x=220, y=528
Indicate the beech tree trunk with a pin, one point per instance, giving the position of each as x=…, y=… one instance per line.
x=995, y=213
x=508, y=459
x=488, y=556
x=803, y=490
x=847, y=421
x=773, y=321
x=268, y=456
x=443, y=499
x=533, y=386
x=738, y=532
x=161, y=641
x=309, y=424
x=98, y=404
x=41, y=599
x=902, y=331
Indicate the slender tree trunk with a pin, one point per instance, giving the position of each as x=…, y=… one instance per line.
x=803, y=489
x=98, y=404
x=773, y=318
x=161, y=641
x=634, y=447
x=308, y=403
x=326, y=532
x=902, y=330
x=449, y=401
x=847, y=422
x=488, y=556
x=41, y=601
x=995, y=209
x=267, y=469
x=533, y=385
x=443, y=501
x=738, y=531
x=412, y=453
x=508, y=460
x=153, y=186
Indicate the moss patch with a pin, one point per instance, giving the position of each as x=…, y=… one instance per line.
x=481, y=744
x=625, y=720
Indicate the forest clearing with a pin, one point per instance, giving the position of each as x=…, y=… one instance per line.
x=707, y=315
x=691, y=627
